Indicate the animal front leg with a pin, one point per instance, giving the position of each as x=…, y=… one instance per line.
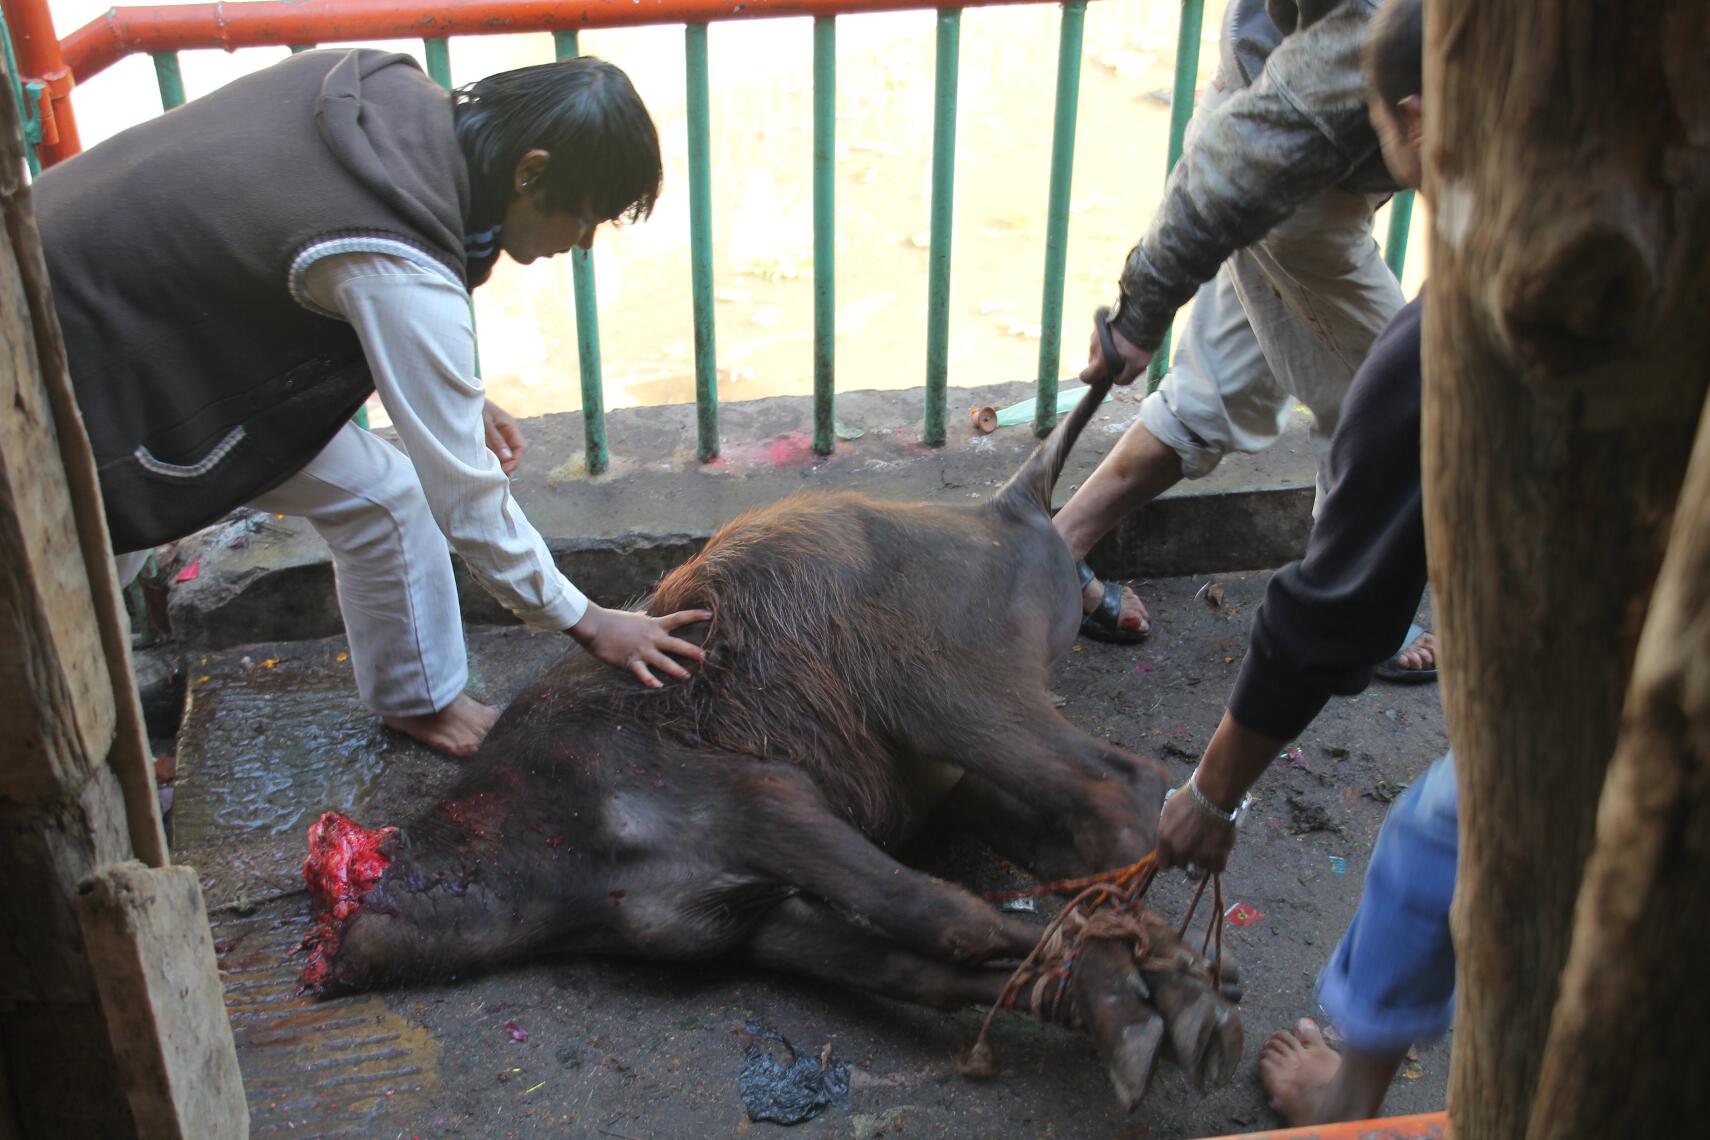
x=789, y=834
x=806, y=936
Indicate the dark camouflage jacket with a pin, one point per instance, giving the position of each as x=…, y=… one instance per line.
x=1296, y=124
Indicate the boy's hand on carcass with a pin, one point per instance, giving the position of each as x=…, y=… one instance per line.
x=504, y=436
x=639, y=643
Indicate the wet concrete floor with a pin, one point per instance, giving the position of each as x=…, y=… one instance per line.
x=582, y=1047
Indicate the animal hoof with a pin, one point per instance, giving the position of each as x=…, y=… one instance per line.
x=1223, y=1053
x=1133, y=1060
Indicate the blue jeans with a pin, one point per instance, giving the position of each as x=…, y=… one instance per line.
x=1391, y=981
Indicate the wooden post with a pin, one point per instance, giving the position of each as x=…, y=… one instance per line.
x=77, y=798
x=1620, y=1060
x=1566, y=340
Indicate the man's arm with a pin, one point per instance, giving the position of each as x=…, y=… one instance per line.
x=1328, y=618
x=1298, y=130
x=419, y=340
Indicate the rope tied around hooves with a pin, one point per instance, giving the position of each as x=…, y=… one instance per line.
x=1107, y=906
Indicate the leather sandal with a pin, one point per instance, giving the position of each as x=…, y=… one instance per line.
x=1103, y=623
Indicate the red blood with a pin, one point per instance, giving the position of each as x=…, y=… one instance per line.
x=344, y=863
x=483, y=813
x=555, y=842
x=617, y=897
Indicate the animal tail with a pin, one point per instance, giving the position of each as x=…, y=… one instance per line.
x=1030, y=488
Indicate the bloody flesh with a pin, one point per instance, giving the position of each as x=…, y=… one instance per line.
x=344, y=863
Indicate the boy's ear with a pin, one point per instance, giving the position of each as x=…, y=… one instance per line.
x=1412, y=113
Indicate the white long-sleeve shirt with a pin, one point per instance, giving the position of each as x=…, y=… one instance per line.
x=414, y=322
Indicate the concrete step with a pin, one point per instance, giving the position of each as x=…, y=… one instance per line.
x=261, y=577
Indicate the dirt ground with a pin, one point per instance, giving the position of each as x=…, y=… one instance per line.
x=582, y=1047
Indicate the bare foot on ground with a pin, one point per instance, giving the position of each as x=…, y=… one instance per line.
x=1422, y=654
x=1310, y=1083
x=456, y=730
x=1134, y=616
x=1298, y=1071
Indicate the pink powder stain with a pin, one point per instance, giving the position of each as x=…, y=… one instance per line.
x=791, y=448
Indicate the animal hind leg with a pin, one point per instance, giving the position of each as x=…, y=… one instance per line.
x=1084, y=806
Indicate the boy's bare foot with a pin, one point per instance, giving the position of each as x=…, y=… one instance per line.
x=456, y=730
x=1310, y=1083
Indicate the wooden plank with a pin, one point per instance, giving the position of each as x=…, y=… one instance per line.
x=56, y=576
x=153, y=959
x=141, y=1024
x=53, y=678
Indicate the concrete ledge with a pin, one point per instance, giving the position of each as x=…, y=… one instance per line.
x=263, y=578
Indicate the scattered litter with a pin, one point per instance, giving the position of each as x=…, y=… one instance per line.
x=1142, y=668
x=1387, y=791
x=517, y=1032
x=1022, y=413
x=1295, y=755
x=1240, y=914
x=1212, y=592
x=844, y=431
x=984, y=419
x=1308, y=816
x=193, y=571
x=1335, y=751
x=1058, y=700
x=1338, y=865
x=1019, y=906
x=788, y=1092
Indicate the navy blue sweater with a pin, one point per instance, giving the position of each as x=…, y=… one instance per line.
x=1329, y=618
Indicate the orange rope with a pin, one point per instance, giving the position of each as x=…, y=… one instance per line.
x=1125, y=888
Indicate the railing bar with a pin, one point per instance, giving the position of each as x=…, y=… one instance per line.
x=824, y=233
x=297, y=48
x=21, y=97
x=438, y=50
x=1057, y=212
x=700, y=242
x=566, y=46
x=170, y=78
x=1400, y=220
x=1181, y=110
x=943, y=201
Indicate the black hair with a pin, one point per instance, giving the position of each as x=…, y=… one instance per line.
x=585, y=114
x=1395, y=50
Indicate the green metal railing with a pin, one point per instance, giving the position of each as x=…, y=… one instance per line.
x=1188, y=33
x=948, y=26
x=28, y=97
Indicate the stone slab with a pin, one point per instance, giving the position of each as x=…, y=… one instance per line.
x=261, y=577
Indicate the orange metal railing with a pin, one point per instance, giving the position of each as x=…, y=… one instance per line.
x=1429, y=1126
x=171, y=27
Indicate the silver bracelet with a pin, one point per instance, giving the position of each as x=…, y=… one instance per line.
x=1206, y=807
